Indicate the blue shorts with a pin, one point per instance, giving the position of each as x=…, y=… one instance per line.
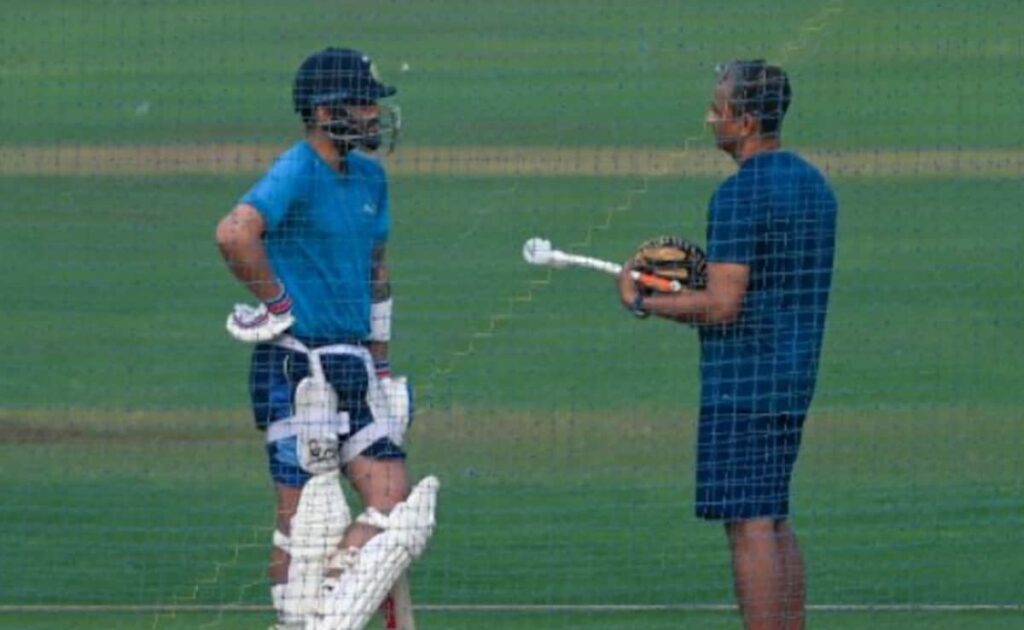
x=273, y=376
x=744, y=464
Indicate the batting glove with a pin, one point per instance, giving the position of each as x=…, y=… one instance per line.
x=258, y=324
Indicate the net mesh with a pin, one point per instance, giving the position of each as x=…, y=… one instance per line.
x=564, y=430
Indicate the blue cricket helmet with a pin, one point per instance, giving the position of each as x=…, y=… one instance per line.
x=337, y=75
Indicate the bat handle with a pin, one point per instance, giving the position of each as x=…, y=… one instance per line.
x=388, y=613
x=663, y=285
x=396, y=609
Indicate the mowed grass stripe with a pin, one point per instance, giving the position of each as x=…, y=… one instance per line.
x=471, y=161
x=600, y=444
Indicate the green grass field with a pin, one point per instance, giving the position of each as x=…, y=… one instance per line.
x=562, y=429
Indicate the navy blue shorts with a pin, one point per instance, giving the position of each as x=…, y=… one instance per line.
x=744, y=464
x=273, y=376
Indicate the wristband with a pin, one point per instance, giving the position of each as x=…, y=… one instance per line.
x=380, y=320
x=637, y=306
x=280, y=304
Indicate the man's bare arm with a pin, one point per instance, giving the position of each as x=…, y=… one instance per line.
x=719, y=303
x=240, y=239
x=380, y=280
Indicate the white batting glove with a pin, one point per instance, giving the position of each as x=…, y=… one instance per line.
x=258, y=324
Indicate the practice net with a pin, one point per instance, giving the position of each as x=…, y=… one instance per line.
x=562, y=428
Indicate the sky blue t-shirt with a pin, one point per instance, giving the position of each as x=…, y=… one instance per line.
x=777, y=215
x=321, y=227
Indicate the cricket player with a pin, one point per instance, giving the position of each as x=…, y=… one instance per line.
x=770, y=247
x=308, y=240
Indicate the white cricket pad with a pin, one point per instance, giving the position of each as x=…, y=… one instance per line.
x=318, y=423
x=316, y=531
x=390, y=401
x=350, y=601
x=397, y=393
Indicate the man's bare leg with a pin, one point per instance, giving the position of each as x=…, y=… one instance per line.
x=768, y=573
x=796, y=588
x=382, y=484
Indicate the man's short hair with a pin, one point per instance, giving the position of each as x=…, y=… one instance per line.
x=759, y=89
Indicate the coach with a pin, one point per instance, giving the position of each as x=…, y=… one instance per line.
x=771, y=242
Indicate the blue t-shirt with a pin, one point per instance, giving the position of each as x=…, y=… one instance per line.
x=777, y=215
x=321, y=228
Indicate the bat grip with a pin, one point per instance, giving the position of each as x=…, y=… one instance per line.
x=651, y=281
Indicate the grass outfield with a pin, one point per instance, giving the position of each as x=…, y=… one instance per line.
x=531, y=381
x=867, y=73
x=596, y=503
x=120, y=285
x=129, y=405
x=461, y=621
x=561, y=427
x=564, y=621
